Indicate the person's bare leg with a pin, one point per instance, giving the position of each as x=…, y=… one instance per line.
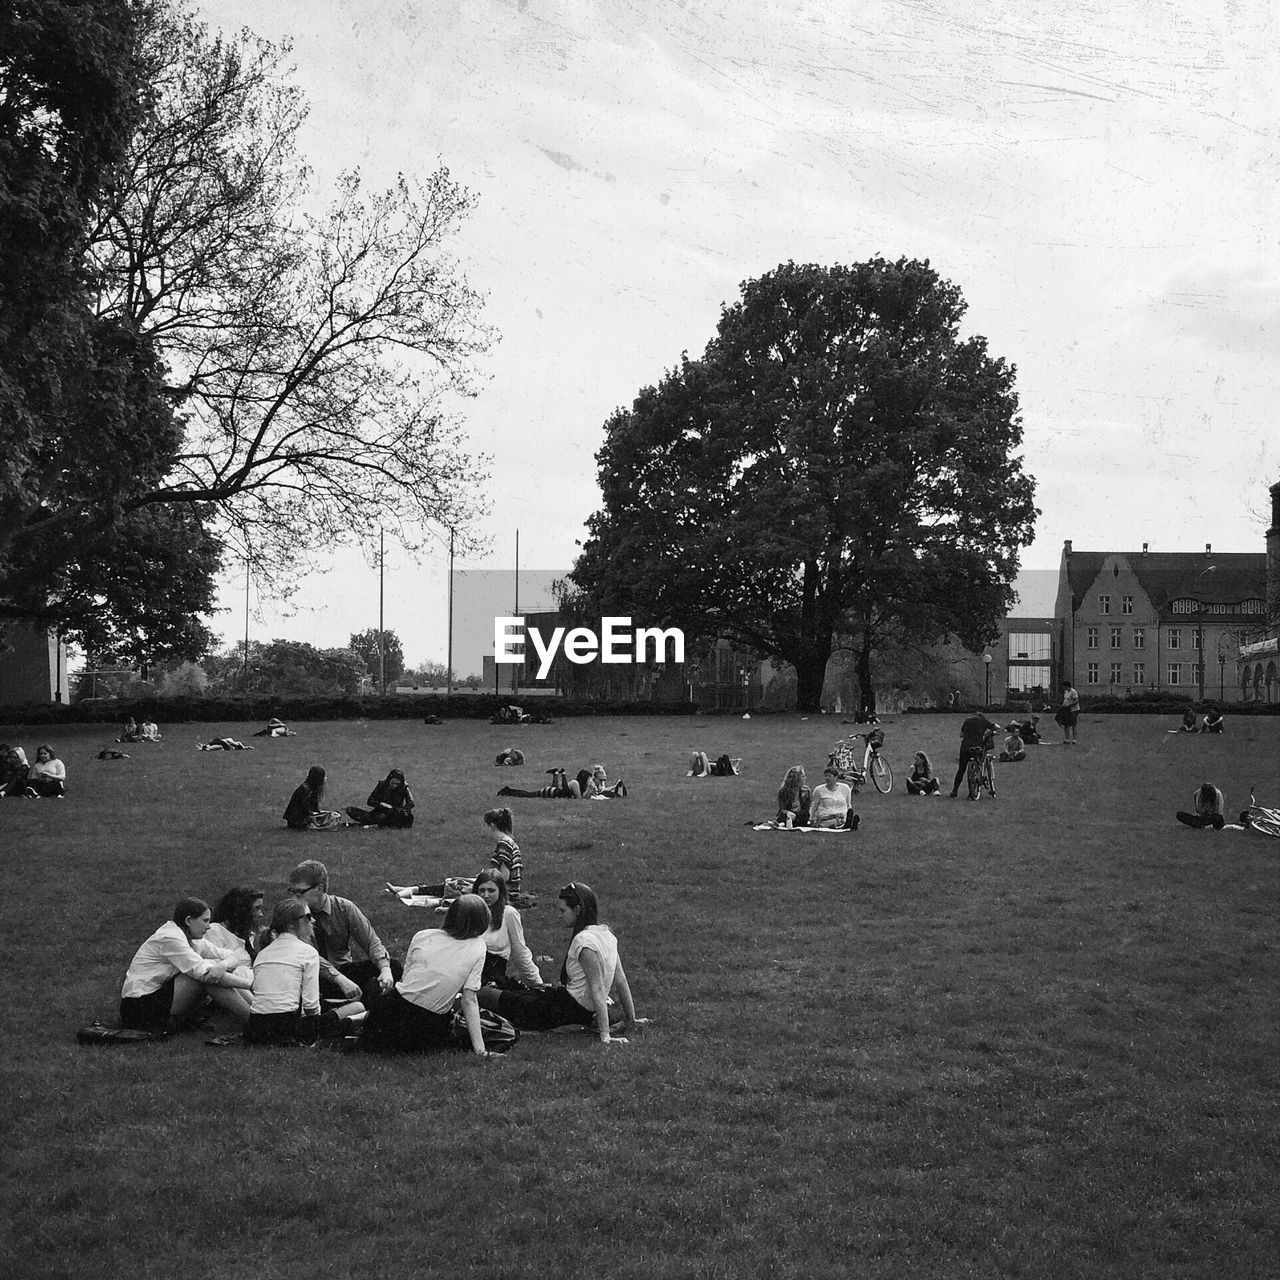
x=234, y=1000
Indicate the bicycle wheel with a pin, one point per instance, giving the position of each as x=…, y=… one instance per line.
x=881, y=775
x=1265, y=822
x=974, y=778
x=989, y=776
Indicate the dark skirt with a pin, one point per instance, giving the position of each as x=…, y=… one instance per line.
x=281, y=1028
x=543, y=1010
x=397, y=1025
x=149, y=1012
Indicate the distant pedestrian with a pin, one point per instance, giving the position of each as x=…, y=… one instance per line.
x=1068, y=713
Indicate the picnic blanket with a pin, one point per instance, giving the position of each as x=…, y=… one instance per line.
x=774, y=826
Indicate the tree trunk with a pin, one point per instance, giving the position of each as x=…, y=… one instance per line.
x=811, y=674
x=866, y=690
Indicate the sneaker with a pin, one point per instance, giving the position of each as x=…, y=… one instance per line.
x=31, y=794
x=853, y=822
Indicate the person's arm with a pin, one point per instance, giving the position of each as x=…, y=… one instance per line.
x=594, y=970
x=521, y=956
x=311, y=984
x=204, y=962
x=363, y=932
x=471, y=1015
x=623, y=991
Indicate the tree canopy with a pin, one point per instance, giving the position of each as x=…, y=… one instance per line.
x=365, y=645
x=840, y=467
x=183, y=345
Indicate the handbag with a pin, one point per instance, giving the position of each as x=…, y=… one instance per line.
x=98, y=1034
x=498, y=1034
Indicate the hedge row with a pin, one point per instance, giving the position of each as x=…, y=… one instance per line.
x=250, y=710
x=1163, y=705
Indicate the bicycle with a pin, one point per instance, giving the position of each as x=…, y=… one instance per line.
x=982, y=769
x=873, y=765
x=1258, y=818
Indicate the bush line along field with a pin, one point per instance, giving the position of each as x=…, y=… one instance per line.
x=1029, y=1037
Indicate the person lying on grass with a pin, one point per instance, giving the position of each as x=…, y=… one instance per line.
x=588, y=784
x=286, y=984
x=237, y=923
x=592, y=971
x=702, y=766
x=338, y=923
x=831, y=803
x=390, y=804
x=222, y=744
x=793, y=798
x=510, y=756
x=1207, y=809
x=276, y=728
x=922, y=780
x=505, y=860
x=414, y=1016
x=304, y=811
x=175, y=969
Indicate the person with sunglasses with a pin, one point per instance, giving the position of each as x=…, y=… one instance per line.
x=337, y=923
x=286, y=985
x=591, y=972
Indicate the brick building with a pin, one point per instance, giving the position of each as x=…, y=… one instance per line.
x=1171, y=622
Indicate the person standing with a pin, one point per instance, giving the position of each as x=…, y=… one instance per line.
x=973, y=739
x=1069, y=713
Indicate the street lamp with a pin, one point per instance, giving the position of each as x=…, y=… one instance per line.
x=986, y=664
x=1200, y=629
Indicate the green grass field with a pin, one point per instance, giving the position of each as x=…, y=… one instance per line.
x=1031, y=1037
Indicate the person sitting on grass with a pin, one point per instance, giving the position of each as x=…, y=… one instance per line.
x=505, y=861
x=1207, y=809
x=47, y=778
x=286, y=985
x=1188, y=724
x=592, y=971
x=237, y=923
x=390, y=804
x=132, y=731
x=176, y=968
x=922, y=781
x=1014, y=750
x=831, y=803
x=793, y=799
x=149, y=731
x=1029, y=733
x=415, y=1015
x=222, y=744
x=338, y=922
x=276, y=728
x=13, y=770
x=1213, y=721
x=702, y=766
x=508, y=962
x=304, y=812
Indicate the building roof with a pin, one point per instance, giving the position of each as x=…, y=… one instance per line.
x=1174, y=575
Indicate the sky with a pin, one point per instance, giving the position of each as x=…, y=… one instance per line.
x=1099, y=179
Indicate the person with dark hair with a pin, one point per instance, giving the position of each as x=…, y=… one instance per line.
x=390, y=804
x=131, y=732
x=831, y=803
x=47, y=777
x=1213, y=721
x=414, y=1016
x=286, y=985
x=793, y=798
x=1188, y=724
x=222, y=744
x=176, y=967
x=510, y=756
x=505, y=858
x=508, y=961
x=977, y=733
x=338, y=922
x=702, y=766
x=1208, y=809
x=1068, y=713
x=1014, y=749
x=237, y=923
x=303, y=812
x=585, y=785
x=276, y=728
x=591, y=972
x=922, y=781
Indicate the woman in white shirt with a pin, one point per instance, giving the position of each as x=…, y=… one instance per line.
x=830, y=804
x=237, y=923
x=286, y=980
x=508, y=961
x=415, y=1015
x=48, y=776
x=592, y=971
x=175, y=967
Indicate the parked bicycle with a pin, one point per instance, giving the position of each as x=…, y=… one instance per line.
x=1259, y=818
x=982, y=767
x=844, y=755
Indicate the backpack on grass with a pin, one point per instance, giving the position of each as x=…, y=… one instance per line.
x=498, y=1034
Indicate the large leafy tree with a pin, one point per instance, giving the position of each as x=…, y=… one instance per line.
x=375, y=654
x=840, y=468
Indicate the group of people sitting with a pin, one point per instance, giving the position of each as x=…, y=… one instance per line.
x=723, y=766
x=45, y=779
x=139, y=731
x=297, y=981
x=827, y=806
x=1212, y=723
x=390, y=804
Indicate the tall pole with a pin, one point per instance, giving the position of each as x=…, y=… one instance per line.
x=515, y=669
x=244, y=670
x=382, y=635
x=448, y=675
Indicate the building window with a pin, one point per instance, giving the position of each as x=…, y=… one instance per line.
x=1175, y=673
x=1092, y=637
x=1139, y=673
x=1035, y=646
x=1115, y=637
x=1175, y=638
x=1115, y=673
x=1104, y=604
x=1126, y=604
x=1092, y=677
x=1139, y=638
x=1197, y=639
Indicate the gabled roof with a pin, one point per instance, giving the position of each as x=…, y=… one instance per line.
x=1173, y=575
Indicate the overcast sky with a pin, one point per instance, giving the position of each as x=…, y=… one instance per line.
x=1100, y=179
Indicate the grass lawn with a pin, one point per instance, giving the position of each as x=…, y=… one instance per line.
x=1030, y=1037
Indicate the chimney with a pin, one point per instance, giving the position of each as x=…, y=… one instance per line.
x=1066, y=547
x=1208, y=548
x=1144, y=548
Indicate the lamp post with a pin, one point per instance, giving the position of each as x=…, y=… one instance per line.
x=986, y=665
x=1200, y=629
